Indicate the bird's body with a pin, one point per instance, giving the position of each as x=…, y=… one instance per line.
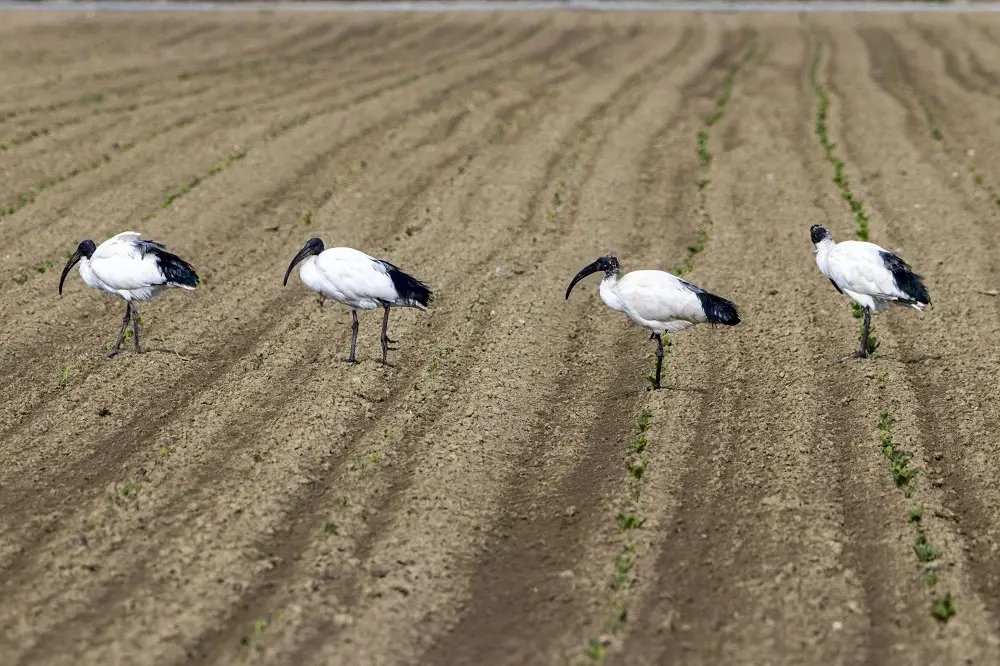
x=134, y=269
x=659, y=301
x=359, y=281
x=131, y=269
x=870, y=275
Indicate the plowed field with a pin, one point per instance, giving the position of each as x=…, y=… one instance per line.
x=508, y=491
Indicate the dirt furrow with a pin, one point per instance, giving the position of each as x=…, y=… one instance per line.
x=397, y=489
x=949, y=475
x=239, y=495
x=373, y=127
x=274, y=196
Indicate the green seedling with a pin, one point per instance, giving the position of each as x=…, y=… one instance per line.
x=943, y=608
x=629, y=521
x=64, y=377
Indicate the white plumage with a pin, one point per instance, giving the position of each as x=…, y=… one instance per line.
x=658, y=301
x=360, y=282
x=870, y=275
x=131, y=269
x=655, y=300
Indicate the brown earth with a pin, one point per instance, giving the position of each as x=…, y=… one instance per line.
x=238, y=495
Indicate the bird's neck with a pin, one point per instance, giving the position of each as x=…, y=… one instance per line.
x=609, y=293
x=87, y=273
x=824, y=245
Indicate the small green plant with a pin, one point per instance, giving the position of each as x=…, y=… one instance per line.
x=924, y=550
x=899, y=460
x=943, y=607
x=330, y=529
x=164, y=452
x=629, y=521
x=935, y=132
x=704, y=156
x=64, y=377
x=595, y=650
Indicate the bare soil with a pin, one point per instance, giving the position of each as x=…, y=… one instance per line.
x=239, y=495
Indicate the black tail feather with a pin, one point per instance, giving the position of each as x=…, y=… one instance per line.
x=906, y=280
x=409, y=290
x=175, y=270
x=718, y=310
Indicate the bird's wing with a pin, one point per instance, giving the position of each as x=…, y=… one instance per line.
x=659, y=296
x=127, y=271
x=355, y=275
x=858, y=267
x=125, y=244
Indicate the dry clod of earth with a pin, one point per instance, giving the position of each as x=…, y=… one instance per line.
x=237, y=495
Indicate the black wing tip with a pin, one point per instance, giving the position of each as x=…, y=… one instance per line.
x=718, y=310
x=175, y=270
x=409, y=290
x=906, y=280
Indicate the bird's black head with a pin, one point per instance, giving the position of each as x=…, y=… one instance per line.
x=312, y=246
x=818, y=233
x=608, y=264
x=85, y=250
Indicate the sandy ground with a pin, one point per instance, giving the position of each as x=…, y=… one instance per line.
x=238, y=495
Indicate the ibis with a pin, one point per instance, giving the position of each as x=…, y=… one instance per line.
x=360, y=282
x=658, y=301
x=131, y=269
x=870, y=275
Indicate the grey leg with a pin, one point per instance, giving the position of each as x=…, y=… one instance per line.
x=659, y=360
x=135, y=329
x=354, y=337
x=863, y=352
x=385, y=336
x=121, y=333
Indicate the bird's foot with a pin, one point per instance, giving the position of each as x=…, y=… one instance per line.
x=387, y=364
x=113, y=353
x=858, y=354
x=349, y=360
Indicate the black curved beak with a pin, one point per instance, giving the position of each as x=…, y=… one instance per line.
x=303, y=253
x=69, y=264
x=588, y=270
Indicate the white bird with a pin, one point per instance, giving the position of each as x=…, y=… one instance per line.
x=870, y=275
x=658, y=301
x=360, y=282
x=131, y=269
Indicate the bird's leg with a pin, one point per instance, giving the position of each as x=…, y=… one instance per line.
x=121, y=333
x=385, y=335
x=135, y=329
x=659, y=360
x=354, y=337
x=863, y=351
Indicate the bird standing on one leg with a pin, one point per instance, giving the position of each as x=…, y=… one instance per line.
x=872, y=276
x=360, y=282
x=131, y=269
x=658, y=301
